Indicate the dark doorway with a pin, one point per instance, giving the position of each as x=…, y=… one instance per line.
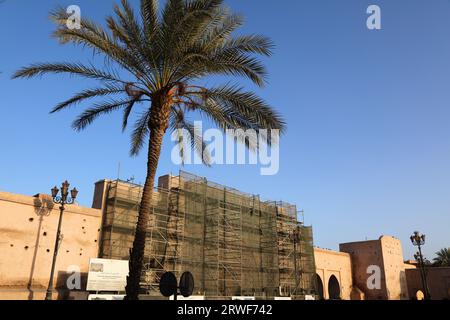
x=334, y=290
x=319, y=286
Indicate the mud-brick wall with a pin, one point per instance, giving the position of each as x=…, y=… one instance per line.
x=27, y=238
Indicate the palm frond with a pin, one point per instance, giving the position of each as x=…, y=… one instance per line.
x=88, y=94
x=149, y=14
x=197, y=16
x=89, y=115
x=77, y=69
x=95, y=37
x=127, y=112
x=246, y=104
x=130, y=26
x=140, y=133
x=250, y=44
x=238, y=64
x=222, y=32
x=442, y=258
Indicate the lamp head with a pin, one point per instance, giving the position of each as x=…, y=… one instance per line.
x=74, y=193
x=65, y=188
x=55, y=191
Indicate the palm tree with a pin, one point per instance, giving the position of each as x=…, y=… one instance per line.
x=163, y=56
x=442, y=258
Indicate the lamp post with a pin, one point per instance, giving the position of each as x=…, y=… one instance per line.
x=418, y=240
x=62, y=200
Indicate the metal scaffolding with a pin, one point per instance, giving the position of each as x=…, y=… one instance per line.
x=234, y=243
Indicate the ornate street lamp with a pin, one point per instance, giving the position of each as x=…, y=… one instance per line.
x=62, y=200
x=418, y=240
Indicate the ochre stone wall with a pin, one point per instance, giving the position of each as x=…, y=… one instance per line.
x=394, y=268
x=385, y=253
x=438, y=282
x=28, y=230
x=332, y=263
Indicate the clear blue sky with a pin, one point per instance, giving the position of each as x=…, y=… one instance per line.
x=367, y=151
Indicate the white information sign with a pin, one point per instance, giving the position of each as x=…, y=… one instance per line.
x=283, y=298
x=244, y=298
x=192, y=298
x=107, y=275
x=105, y=297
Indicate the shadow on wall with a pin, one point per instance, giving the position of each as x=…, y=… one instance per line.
x=403, y=286
x=66, y=293
x=42, y=208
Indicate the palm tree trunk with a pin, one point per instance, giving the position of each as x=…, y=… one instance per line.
x=158, y=124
